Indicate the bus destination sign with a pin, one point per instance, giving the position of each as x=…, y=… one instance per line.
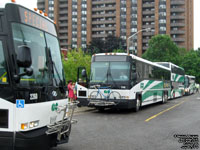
x=35, y=20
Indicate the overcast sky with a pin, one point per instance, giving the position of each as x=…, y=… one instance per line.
x=33, y=3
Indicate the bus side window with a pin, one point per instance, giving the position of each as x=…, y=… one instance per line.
x=3, y=73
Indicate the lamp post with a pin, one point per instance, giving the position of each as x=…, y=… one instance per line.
x=146, y=29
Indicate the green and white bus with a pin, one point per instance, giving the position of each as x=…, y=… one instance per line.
x=189, y=85
x=177, y=79
x=119, y=80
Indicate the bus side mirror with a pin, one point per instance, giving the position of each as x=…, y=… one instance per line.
x=134, y=76
x=24, y=56
x=83, y=73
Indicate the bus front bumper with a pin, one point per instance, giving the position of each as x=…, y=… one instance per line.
x=31, y=140
x=119, y=104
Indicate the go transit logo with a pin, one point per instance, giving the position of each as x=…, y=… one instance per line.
x=54, y=107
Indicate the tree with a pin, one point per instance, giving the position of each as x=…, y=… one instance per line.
x=96, y=46
x=111, y=43
x=75, y=59
x=162, y=48
x=191, y=64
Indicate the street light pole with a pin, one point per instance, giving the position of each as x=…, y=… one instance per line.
x=146, y=29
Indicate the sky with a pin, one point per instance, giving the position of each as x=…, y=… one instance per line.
x=33, y=4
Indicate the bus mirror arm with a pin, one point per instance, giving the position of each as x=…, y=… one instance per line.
x=27, y=71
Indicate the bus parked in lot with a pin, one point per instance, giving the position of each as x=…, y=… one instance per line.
x=119, y=80
x=189, y=85
x=33, y=101
x=177, y=79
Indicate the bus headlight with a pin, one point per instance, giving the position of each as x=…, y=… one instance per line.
x=34, y=124
x=24, y=126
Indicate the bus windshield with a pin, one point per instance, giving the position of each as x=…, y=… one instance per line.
x=38, y=41
x=108, y=72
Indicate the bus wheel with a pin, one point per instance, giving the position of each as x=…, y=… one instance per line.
x=164, y=98
x=100, y=109
x=137, y=105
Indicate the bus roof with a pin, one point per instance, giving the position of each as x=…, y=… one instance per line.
x=190, y=76
x=170, y=64
x=134, y=57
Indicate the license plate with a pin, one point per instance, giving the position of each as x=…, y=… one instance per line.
x=53, y=119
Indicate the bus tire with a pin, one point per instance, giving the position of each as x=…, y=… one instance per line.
x=137, y=104
x=100, y=109
x=164, y=98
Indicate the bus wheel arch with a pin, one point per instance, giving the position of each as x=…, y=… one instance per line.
x=165, y=97
x=138, y=102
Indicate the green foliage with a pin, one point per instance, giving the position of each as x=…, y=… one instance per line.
x=162, y=48
x=119, y=51
x=97, y=45
x=75, y=59
x=191, y=64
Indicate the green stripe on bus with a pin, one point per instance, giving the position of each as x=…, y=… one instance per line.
x=148, y=84
x=148, y=94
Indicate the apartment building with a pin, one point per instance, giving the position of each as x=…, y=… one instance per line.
x=80, y=21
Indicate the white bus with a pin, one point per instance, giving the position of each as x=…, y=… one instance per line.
x=119, y=80
x=189, y=85
x=33, y=101
x=177, y=79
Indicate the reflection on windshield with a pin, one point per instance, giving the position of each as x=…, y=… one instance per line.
x=33, y=38
x=102, y=72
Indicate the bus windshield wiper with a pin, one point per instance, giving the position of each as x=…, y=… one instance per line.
x=52, y=70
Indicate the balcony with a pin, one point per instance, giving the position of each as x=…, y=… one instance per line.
x=63, y=37
x=104, y=22
x=177, y=17
x=103, y=8
x=104, y=29
x=149, y=19
x=177, y=24
x=63, y=12
x=148, y=33
x=63, y=18
x=148, y=12
x=104, y=2
x=99, y=35
x=63, y=24
x=177, y=32
x=63, y=31
x=145, y=40
x=177, y=9
x=148, y=5
x=148, y=26
x=64, y=6
x=178, y=39
x=175, y=2
x=103, y=15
